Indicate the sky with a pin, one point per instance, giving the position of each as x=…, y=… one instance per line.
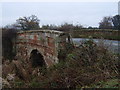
x=84, y=13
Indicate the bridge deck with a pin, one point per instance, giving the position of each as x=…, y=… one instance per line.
x=44, y=31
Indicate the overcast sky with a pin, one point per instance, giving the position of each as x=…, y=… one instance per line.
x=85, y=13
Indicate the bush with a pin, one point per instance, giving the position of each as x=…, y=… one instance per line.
x=84, y=65
x=62, y=53
x=88, y=63
x=7, y=43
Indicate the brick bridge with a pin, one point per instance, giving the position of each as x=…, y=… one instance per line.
x=46, y=43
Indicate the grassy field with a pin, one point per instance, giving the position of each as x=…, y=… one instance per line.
x=96, y=33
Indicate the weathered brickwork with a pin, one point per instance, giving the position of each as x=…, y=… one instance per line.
x=47, y=42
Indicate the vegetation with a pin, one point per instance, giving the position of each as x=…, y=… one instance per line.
x=116, y=22
x=110, y=22
x=107, y=27
x=106, y=23
x=110, y=83
x=96, y=33
x=8, y=35
x=32, y=23
x=87, y=66
x=25, y=23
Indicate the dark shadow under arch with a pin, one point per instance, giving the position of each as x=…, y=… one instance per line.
x=37, y=58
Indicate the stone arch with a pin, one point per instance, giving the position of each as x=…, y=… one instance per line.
x=37, y=59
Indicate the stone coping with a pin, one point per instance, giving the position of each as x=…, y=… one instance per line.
x=43, y=31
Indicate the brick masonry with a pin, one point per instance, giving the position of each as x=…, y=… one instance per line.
x=47, y=42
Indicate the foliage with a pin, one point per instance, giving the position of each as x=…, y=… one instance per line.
x=96, y=33
x=32, y=23
x=116, y=22
x=8, y=35
x=69, y=27
x=110, y=22
x=62, y=53
x=19, y=84
x=28, y=23
x=110, y=83
x=64, y=27
x=84, y=66
x=106, y=23
x=50, y=27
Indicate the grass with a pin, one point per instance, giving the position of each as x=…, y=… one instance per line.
x=110, y=83
x=106, y=34
x=19, y=83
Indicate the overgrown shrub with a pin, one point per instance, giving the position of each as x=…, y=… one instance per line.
x=88, y=63
x=7, y=43
x=62, y=53
x=84, y=65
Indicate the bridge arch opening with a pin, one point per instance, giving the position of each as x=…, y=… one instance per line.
x=37, y=58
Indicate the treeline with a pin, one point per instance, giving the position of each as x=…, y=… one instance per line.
x=33, y=23
x=110, y=22
x=106, y=23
